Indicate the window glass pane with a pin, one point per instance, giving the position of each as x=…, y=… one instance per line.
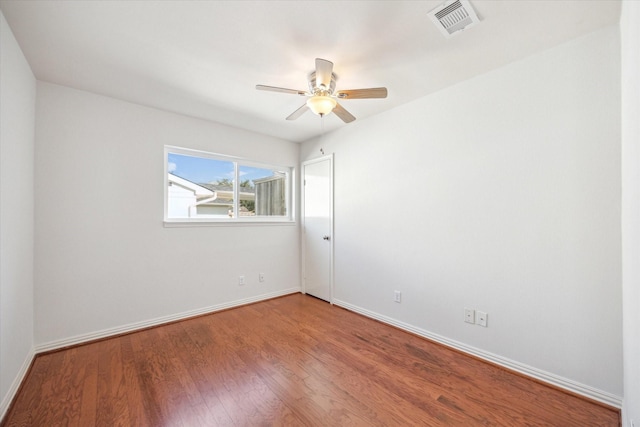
x=199, y=187
x=202, y=186
x=263, y=192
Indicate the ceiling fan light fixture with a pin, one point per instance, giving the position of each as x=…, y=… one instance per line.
x=321, y=105
x=322, y=98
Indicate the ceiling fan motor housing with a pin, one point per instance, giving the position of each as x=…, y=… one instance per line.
x=318, y=90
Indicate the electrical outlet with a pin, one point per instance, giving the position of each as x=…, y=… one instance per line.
x=241, y=280
x=397, y=296
x=469, y=315
x=261, y=277
x=482, y=318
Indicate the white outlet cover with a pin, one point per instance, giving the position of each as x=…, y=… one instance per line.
x=469, y=315
x=482, y=318
x=397, y=296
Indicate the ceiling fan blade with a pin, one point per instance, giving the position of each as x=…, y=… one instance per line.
x=324, y=69
x=374, y=92
x=300, y=111
x=346, y=116
x=281, y=89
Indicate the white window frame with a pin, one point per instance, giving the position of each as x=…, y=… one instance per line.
x=238, y=162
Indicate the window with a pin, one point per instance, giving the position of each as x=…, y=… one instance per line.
x=207, y=187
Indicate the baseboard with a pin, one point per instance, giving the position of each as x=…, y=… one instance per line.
x=15, y=385
x=132, y=327
x=540, y=375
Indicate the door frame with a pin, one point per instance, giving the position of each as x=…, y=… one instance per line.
x=303, y=271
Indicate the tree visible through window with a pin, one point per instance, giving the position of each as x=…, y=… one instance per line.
x=202, y=186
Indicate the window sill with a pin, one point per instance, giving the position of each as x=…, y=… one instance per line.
x=177, y=223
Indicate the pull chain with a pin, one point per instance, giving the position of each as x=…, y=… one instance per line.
x=322, y=131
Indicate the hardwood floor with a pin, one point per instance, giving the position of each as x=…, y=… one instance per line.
x=293, y=360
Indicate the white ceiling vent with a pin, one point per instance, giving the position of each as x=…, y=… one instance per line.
x=454, y=16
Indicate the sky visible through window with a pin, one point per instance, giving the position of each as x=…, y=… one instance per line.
x=202, y=170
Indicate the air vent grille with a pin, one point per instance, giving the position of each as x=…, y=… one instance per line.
x=453, y=17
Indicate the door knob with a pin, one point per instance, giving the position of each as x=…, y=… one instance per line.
x=326, y=238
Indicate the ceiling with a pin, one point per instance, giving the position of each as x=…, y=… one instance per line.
x=204, y=58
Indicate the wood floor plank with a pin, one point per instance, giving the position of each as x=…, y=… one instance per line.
x=198, y=367
x=322, y=400
x=30, y=400
x=112, y=404
x=88, y=361
x=72, y=385
x=205, y=364
x=289, y=361
x=263, y=403
x=158, y=380
x=357, y=369
x=135, y=397
x=202, y=412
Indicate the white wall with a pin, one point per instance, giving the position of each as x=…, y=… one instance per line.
x=506, y=198
x=17, y=116
x=630, y=42
x=104, y=260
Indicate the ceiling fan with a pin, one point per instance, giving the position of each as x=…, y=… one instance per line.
x=323, y=96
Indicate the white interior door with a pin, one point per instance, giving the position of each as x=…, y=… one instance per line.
x=318, y=227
